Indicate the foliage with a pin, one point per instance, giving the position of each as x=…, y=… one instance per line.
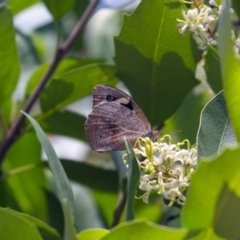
x=58, y=63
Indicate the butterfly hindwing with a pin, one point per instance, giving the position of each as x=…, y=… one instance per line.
x=108, y=123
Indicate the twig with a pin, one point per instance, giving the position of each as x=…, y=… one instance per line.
x=119, y=209
x=14, y=130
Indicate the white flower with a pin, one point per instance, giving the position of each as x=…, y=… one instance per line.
x=201, y=20
x=145, y=196
x=213, y=3
x=236, y=44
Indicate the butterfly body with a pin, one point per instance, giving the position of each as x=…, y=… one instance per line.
x=114, y=116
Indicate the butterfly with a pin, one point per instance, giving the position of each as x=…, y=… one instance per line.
x=114, y=116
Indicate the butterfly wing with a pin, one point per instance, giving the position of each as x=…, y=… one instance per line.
x=109, y=122
x=100, y=93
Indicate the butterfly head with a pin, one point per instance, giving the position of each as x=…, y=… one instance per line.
x=155, y=135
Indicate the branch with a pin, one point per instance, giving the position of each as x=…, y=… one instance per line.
x=14, y=130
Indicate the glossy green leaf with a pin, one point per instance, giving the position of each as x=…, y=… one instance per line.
x=215, y=130
x=59, y=8
x=230, y=68
x=65, y=193
x=92, y=234
x=18, y=6
x=89, y=175
x=67, y=64
x=74, y=85
x=143, y=230
x=27, y=185
x=9, y=61
x=133, y=180
x=154, y=61
x=215, y=190
x=213, y=71
x=65, y=123
x=15, y=225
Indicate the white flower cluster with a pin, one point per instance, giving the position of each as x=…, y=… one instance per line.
x=201, y=20
x=166, y=168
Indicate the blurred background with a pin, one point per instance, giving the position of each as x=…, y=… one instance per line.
x=37, y=40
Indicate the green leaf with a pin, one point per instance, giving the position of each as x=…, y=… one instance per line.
x=65, y=123
x=89, y=175
x=67, y=64
x=18, y=6
x=152, y=211
x=14, y=225
x=59, y=8
x=230, y=68
x=27, y=185
x=230, y=210
x=92, y=234
x=143, y=230
x=74, y=85
x=215, y=190
x=215, y=130
x=7, y=198
x=55, y=213
x=236, y=6
x=65, y=193
x=106, y=203
x=37, y=75
x=213, y=71
x=188, y=112
x=133, y=180
x=6, y=109
x=21, y=230
x=9, y=61
x=203, y=234
x=46, y=231
x=154, y=60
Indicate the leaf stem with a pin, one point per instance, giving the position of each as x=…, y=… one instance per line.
x=14, y=130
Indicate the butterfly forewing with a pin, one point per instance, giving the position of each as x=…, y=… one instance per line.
x=100, y=93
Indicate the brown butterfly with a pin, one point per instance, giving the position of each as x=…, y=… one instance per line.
x=114, y=116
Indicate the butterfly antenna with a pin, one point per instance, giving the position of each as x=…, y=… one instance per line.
x=160, y=126
x=173, y=119
x=180, y=131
